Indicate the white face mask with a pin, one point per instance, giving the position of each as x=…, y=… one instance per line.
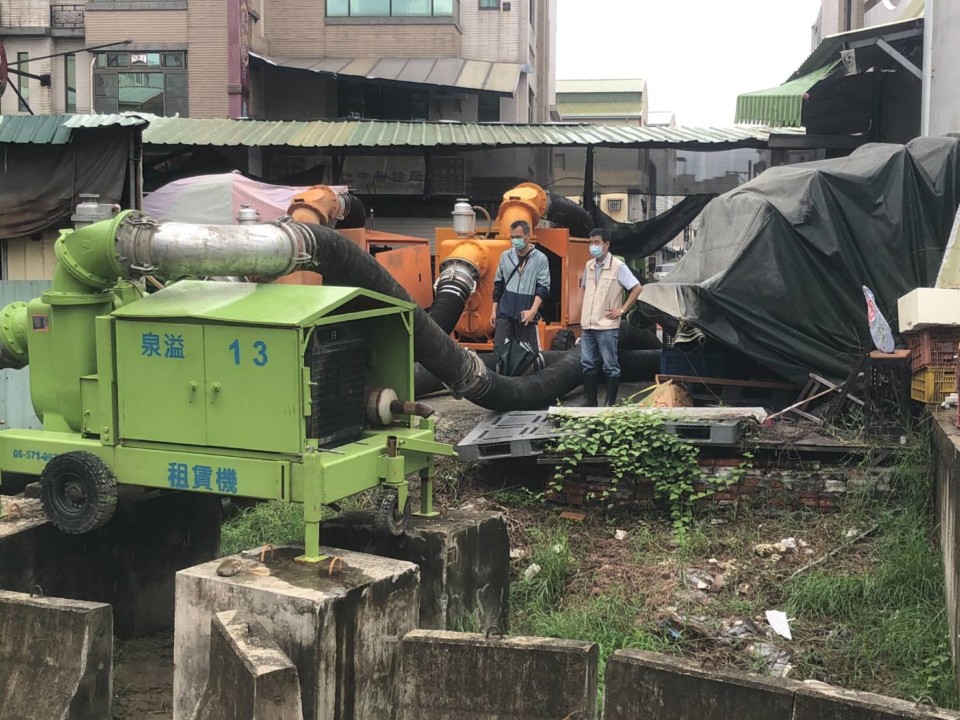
x=518, y=242
x=596, y=250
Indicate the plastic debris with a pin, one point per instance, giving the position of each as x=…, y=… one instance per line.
x=778, y=621
x=531, y=572
x=620, y=534
x=778, y=661
x=517, y=553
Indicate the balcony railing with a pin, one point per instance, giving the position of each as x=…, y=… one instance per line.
x=66, y=17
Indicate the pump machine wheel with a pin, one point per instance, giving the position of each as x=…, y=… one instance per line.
x=389, y=518
x=78, y=492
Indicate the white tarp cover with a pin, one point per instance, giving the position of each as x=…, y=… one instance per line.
x=216, y=199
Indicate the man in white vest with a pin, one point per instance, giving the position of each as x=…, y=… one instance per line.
x=605, y=279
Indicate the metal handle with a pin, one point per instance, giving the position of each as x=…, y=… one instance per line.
x=194, y=386
x=216, y=387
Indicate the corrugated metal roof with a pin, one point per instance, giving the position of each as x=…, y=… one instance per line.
x=56, y=129
x=581, y=110
x=349, y=134
x=500, y=78
x=634, y=85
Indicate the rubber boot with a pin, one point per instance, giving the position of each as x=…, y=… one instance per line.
x=590, y=383
x=613, y=387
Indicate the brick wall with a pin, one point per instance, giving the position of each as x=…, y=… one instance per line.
x=207, y=59
x=25, y=13
x=41, y=99
x=770, y=484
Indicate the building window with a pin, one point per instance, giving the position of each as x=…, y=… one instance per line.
x=533, y=8
x=489, y=4
x=614, y=205
x=390, y=8
x=531, y=103
x=23, y=82
x=147, y=82
x=70, y=83
x=559, y=161
x=368, y=101
x=488, y=108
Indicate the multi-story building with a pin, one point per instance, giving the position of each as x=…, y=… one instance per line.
x=608, y=102
x=466, y=60
x=45, y=39
x=838, y=16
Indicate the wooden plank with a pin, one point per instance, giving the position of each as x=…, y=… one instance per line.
x=727, y=381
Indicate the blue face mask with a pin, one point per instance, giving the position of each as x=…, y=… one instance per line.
x=518, y=242
x=596, y=250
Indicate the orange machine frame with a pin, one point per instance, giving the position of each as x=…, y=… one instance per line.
x=407, y=260
x=475, y=321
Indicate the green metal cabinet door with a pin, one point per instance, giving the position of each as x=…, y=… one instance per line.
x=254, y=388
x=160, y=375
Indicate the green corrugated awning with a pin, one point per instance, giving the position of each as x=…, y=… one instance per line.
x=780, y=106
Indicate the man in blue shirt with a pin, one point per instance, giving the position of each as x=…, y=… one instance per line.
x=521, y=285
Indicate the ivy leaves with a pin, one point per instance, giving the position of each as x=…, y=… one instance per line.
x=636, y=445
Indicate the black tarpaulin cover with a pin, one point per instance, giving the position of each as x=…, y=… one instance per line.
x=779, y=264
x=40, y=184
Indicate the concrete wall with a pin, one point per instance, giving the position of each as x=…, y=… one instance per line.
x=647, y=686
x=25, y=13
x=56, y=658
x=146, y=29
x=454, y=676
x=946, y=447
x=41, y=99
x=945, y=68
x=880, y=14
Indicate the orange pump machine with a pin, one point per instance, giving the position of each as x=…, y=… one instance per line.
x=406, y=258
x=472, y=258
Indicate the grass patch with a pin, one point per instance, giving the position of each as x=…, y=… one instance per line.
x=270, y=522
x=883, y=627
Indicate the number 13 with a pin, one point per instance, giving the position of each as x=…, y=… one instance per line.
x=260, y=346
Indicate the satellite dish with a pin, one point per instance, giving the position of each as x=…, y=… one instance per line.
x=4, y=71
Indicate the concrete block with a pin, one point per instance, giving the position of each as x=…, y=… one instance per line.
x=341, y=631
x=449, y=676
x=56, y=658
x=647, y=686
x=464, y=562
x=250, y=677
x=820, y=701
x=129, y=563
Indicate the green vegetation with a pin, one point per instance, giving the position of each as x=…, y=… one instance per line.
x=269, y=522
x=869, y=617
x=638, y=446
x=541, y=606
x=884, y=625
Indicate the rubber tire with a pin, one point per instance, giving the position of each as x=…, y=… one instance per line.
x=387, y=517
x=82, y=472
x=563, y=340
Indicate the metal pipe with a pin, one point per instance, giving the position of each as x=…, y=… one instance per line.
x=173, y=250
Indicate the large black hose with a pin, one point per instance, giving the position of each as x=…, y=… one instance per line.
x=341, y=260
x=633, y=240
x=457, y=281
x=354, y=215
x=634, y=365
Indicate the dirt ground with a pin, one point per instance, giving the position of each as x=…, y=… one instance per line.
x=715, y=582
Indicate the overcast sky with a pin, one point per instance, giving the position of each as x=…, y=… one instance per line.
x=696, y=55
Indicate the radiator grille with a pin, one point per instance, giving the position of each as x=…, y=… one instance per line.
x=338, y=362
